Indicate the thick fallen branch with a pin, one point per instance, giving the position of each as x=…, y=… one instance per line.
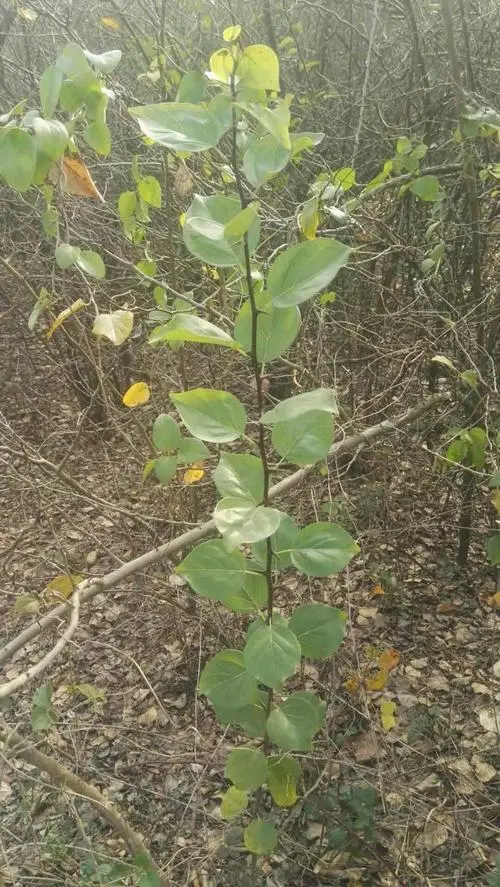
x=90, y=587
x=14, y=746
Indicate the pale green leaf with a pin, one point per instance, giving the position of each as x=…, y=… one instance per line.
x=323, y=549
x=234, y=802
x=263, y=159
x=204, y=231
x=319, y=628
x=259, y=68
x=277, y=328
x=115, y=326
x=246, y=768
x=293, y=725
x=166, y=434
x=17, y=157
x=321, y=399
x=304, y=440
x=226, y=682
x=271, y=654
x=240, y=475
x=283, y=775
x=240, y=520
x=260, y=837
x=178, y=125
x=91, y=263
x=302, y=271
x=189, y=328
x=66, y=255
x=211, y=415
x=212, y=571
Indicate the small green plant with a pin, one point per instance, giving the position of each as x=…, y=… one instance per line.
x=248, y=688
x=347, y=813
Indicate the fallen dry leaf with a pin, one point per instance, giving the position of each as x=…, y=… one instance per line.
x=435, y=834
x=378, y=681
x=378, y=590
x=387, y=714
x=74, y=178
x=148, y=717
x=365, y=746
x=494, y=600
x=489, y=720
x=389, y=659
x=484, y=772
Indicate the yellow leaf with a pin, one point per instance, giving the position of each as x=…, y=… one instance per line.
x=182, y=219
x=387, y=710
x=27, y=604
x=259, y=68
x=388, y=659
x=221, y=65
x=232, y=33
x=136, y=395
x=109, y=22
x=377, y=590
x=494, y=600
x=308, y=218
x=62, y=586
x=74, y=178
x=352, y=684
x=193, y=474
x=495, y=500
x=378, y=681
x=63, y=315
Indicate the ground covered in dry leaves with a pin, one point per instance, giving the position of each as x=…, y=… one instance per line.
x=401, y=794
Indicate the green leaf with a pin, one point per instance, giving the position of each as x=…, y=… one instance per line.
x=319, y=628
x=204, y=231
x=251, y=717
x=226, y=682
x=260, y=836
x=240, y=520
x=321, y=399
x=178, y=125
x=165, y=468
x=72, y=61
x=212, y=571
x=277, y=328
x=98, y=136
x=91, y=263
x=231, y=34
x=427, y=188
x=191, y=88
x=302, y=271
x=283, y=775
x=50, y=220
x=240, y=475
x=323, y=549
x=191, y=450
x=66, y=255
x=345, y=177
x=276, y=120
x=293, y=725
x=494, y=480
x=271, y=654
x=166, y=434
x=259, y=68
x=51, y=137
x=43, y=302
x=234, y=801
x=493, y=550
x=304, y=141
x=238, y=226
x=43, y=715
x=116, y=326
x=104, y=61
x=212, y=415
x=189, y=328
x=149, y=190
x=127, y=205
x=17, y=157
x=246, y=768
x=308, y=218
x=263, y=159
x=50, y=86
x=282, y=542
x=304, y=440
x=253, y=595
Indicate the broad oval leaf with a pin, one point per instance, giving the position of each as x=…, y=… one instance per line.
x=226, y=682
x=50, y=86
x=51, y=137
x=66, y=255
x=321, y=399
x=149, y=190
x=137, y=394
x=98, y=136
x=166, y=434
x=165, y=468
x=204, y=231
x=191, y=88
x=252, y=597
x=246, y=768
x=305, y=440
x=250, y=717
x=234, y=801
x=276, y=120
x=319, y=628
x=116, y=326
x=323, y=549
x=260, y=836
x=240, y=520
x=104, y=61
x=302, y=271
x=189, y=328
x=271, y=654
x=282, y=543
x=17, y=157
x=264, y=158
x=212, y=571
x=283, y=775
x=293, y=725
x=240, y=475
x=178, y=125
x=427, y=188
x=212, y=415
x=192, y=450
x=259, y=68
x=277, y=328
x=91, y=263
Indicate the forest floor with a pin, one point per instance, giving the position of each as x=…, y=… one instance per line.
x=413, y=802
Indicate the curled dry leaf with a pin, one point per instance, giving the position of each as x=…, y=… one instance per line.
x=74, y=178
